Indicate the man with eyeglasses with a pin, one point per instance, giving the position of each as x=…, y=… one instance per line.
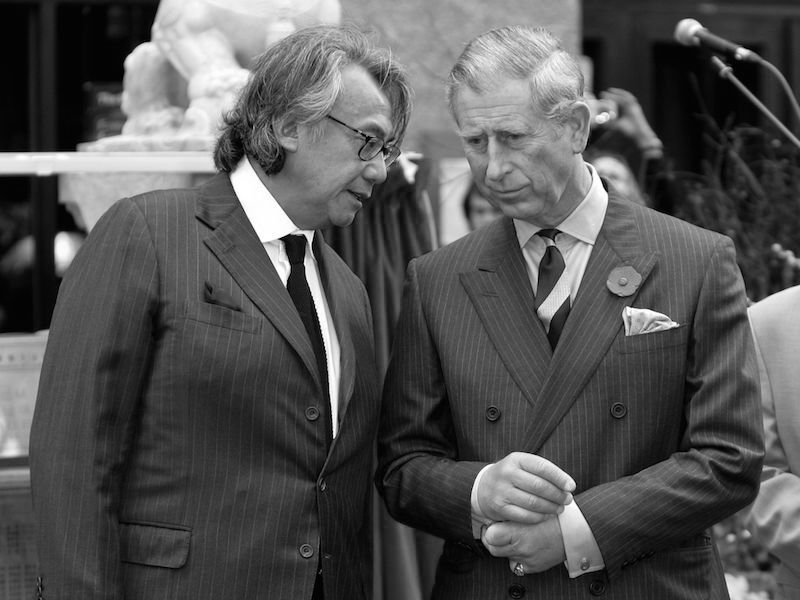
x=209, y=397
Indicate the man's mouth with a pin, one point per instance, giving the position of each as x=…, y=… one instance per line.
x=510, y=192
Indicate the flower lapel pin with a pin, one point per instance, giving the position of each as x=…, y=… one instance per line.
x=623, y=281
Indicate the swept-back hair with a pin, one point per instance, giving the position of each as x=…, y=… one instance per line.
x=297, y=81
x=523, y=53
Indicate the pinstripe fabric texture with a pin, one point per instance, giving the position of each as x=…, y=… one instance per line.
x=177, y=449
x=661, y=432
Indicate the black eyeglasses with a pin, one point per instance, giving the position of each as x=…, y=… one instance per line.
x=372, y=145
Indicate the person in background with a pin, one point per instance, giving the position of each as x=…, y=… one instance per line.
x=774, y=517
x=621, y=134
x=209, y=398
x=614, y=168
x=477, y=209
x=572, y=397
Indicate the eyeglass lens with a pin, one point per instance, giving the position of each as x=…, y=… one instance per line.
x=373, y=146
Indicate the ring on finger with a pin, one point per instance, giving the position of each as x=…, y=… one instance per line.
x=519, y=570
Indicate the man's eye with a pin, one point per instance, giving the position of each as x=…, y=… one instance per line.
x=475, y=142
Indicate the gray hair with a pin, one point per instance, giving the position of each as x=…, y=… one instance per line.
x=297, y=80
x=523, y=53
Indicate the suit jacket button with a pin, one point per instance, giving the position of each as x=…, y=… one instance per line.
x=306, y=550
x=597, y=588
x=516, y=591
x=618, y=410
x=312, y=413
x=492, y=414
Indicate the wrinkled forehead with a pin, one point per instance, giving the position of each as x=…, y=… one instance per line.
x=506, y=106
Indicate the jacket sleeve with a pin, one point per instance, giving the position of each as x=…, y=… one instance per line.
x=416, y=439
x=95, y=368
x=714, y=472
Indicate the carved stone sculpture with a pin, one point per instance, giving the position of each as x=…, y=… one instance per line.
x=181, y=81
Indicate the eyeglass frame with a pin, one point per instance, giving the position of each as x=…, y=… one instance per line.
x=390, y=152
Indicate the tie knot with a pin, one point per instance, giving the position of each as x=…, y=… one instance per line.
x=549, y=233
x=295, y=248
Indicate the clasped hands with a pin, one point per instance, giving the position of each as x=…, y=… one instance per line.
x=522, y=495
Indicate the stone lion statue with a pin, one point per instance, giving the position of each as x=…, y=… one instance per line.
x=181, y=82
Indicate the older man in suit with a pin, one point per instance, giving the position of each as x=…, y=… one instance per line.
x=572, y=398
x=774, y=518
x=208, y=401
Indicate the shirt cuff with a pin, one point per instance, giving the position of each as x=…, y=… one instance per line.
x=479, y=520
x=583, y=553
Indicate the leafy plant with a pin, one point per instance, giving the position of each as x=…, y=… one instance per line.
x=749, y=189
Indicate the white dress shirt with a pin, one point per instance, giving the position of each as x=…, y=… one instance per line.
x=271, y=223
x=578, y=234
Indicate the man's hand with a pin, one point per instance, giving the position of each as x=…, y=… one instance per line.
x=524, y=488
x=631, y=119
x=536, y=547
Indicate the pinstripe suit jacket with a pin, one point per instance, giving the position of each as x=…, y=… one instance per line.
x=176, y=449
x=660, y=431
x=774, y=517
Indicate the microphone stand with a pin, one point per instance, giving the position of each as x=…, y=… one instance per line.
x=784, y=84
x=726, y=72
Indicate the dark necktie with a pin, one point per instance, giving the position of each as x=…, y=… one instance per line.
x=552, y=293
x=297, y=285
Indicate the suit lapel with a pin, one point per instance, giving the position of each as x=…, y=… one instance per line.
x=501, y=292
x=595, y=319
x=339, y=297
x=235, y=244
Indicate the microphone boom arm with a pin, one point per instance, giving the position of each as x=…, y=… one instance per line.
x=726, y=72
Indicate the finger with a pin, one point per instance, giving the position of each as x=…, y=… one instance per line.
x=535, y=493
x=496, y=544
x=539, y=498
x=522, y=516
x=520, y=507
x=500, y=534
x=546, y=470
x=621, y=94
x=498, y=551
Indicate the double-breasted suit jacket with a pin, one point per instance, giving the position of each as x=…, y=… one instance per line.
x=774, y=517
x=660, y=431
x=177, y=447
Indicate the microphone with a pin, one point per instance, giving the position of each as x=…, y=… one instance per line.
x=690, y=32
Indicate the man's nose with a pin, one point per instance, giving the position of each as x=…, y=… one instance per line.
x=375, y=170
x=497, y=163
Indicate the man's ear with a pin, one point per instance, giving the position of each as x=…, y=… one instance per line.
x=579, y=122
x=286, y=133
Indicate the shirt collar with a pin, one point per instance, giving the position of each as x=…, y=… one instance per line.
x=269, y=220
x=583, y=223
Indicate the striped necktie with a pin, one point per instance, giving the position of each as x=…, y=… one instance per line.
x=552, y=294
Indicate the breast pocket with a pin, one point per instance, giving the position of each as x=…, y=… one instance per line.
x=651, y=342
x=221, y=316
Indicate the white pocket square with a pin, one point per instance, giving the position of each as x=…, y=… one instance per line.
x=641, y=320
